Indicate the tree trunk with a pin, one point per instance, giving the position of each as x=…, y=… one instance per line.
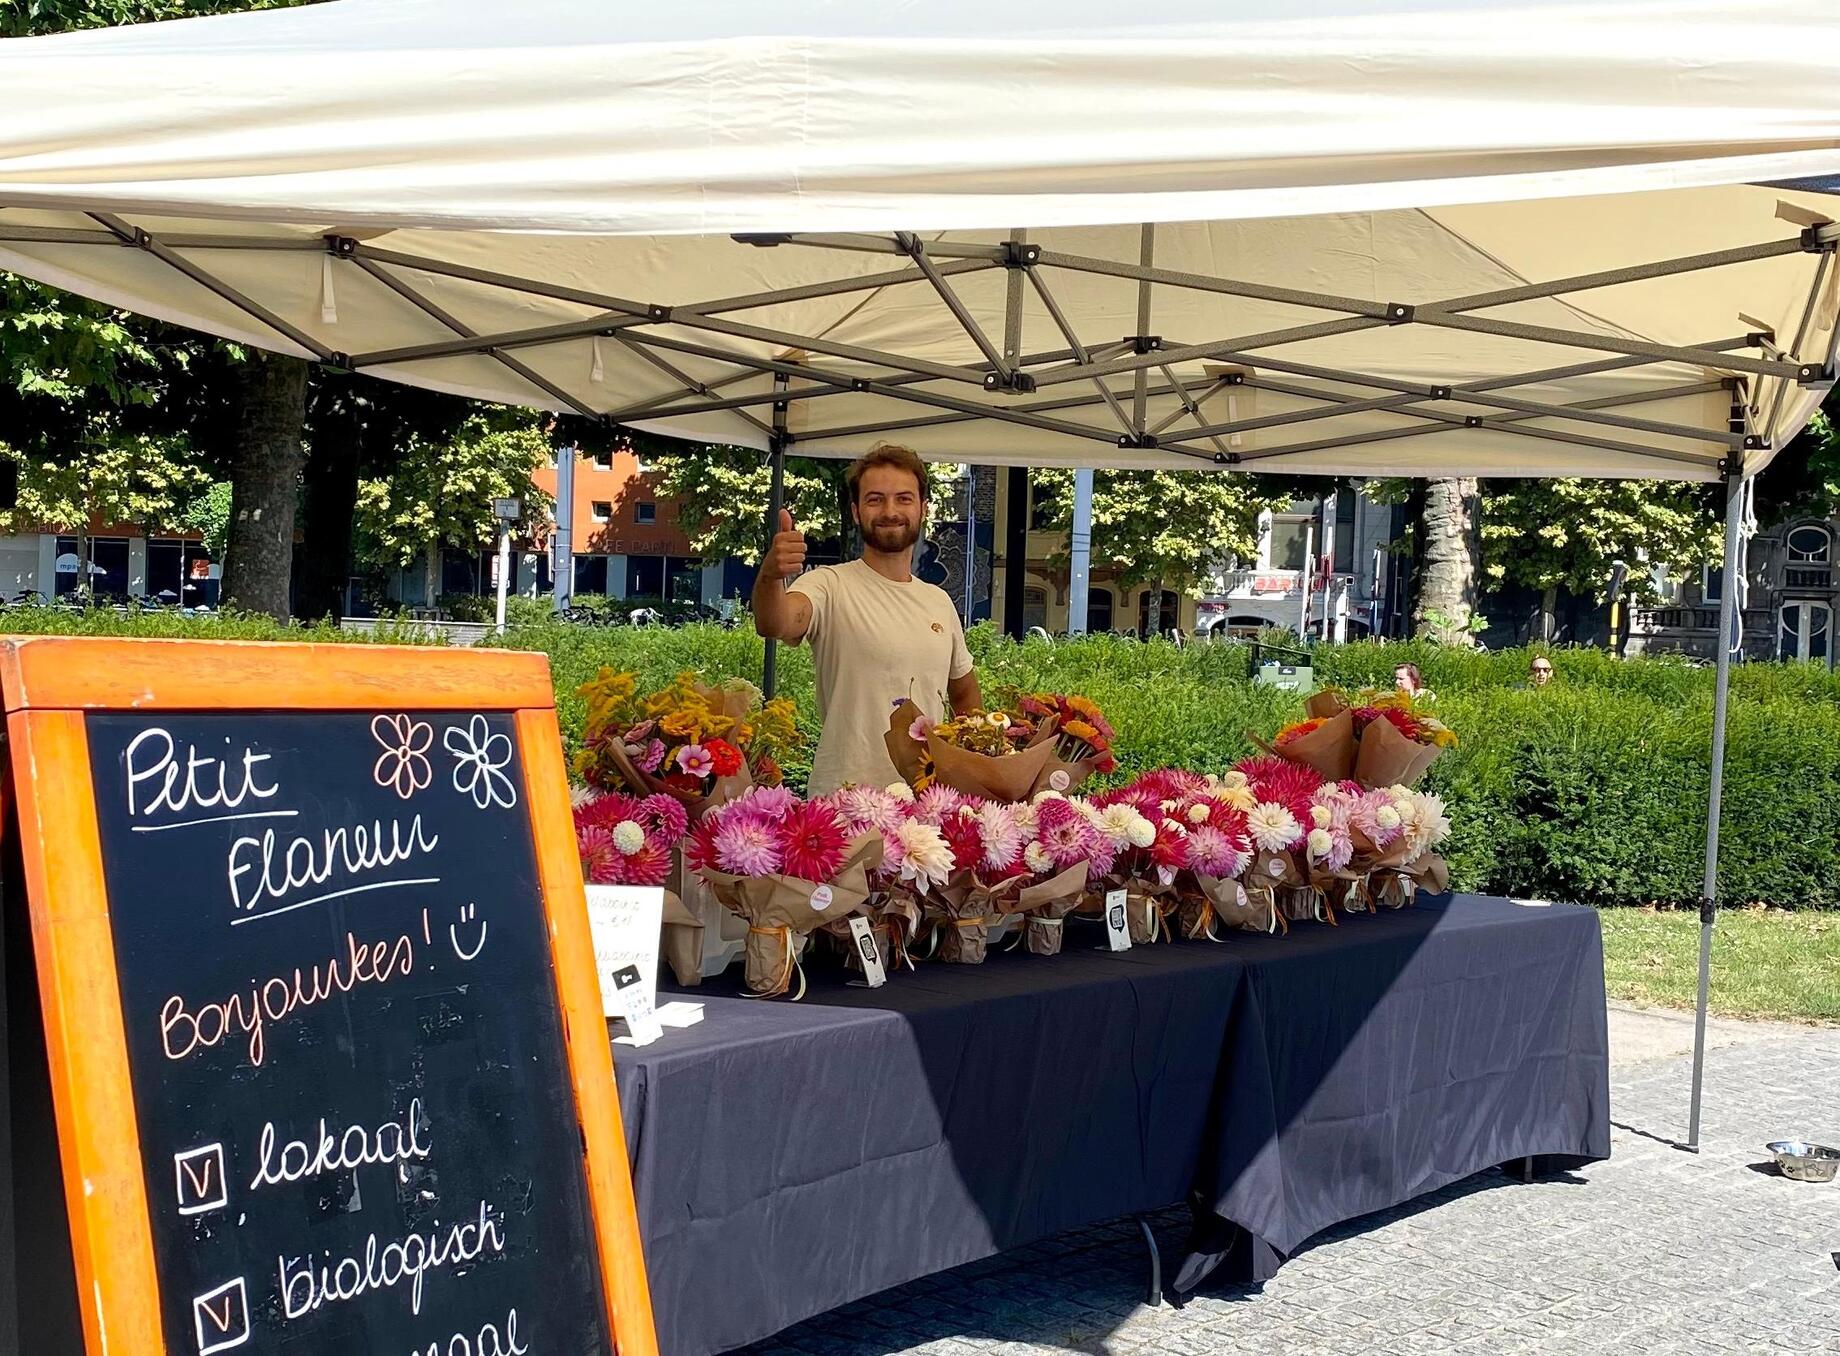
x=1153, y=620
x=1451, y=545
x=264, y=483
x=431, y=574
x=1549, y=612
x=331, y=504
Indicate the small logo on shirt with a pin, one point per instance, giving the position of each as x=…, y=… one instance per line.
x=940, y=629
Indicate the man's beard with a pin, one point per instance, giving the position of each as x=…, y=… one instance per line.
x=892, y=537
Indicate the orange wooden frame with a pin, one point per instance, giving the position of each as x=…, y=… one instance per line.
x=48, y=682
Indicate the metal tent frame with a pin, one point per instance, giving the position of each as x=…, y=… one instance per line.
x=1142, y=393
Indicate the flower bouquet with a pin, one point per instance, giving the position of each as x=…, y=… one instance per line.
x=1276, y=795
x=1407, y=865
x=987, y=754
x=702, y=744
x=1082, y=736
x=1140, y=852
x=786, y=866
x=1002, y=865
x=915, y=858
x=627, y=840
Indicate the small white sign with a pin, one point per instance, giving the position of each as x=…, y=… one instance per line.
x=507, y=510
x=1117, y=926
x=862, y=936
x=625, y=921
x=1059, y=780
x=821, y=898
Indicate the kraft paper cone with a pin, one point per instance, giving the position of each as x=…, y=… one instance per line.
x=1388, y=758
x=1046, y=906
x=1233, y=905
x=779, y=909
x=1329, y=748
x=1325, y=704
x=1007, y=777
x=966, y=907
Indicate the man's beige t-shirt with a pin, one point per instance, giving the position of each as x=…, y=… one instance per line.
x=874, y=643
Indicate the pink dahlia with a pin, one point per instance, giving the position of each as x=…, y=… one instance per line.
x=652, y=758
x=1001, y=830
x=1214, y=852
x=600, y=859
x=1065, y=833
x=936, y=803
x=813, y=842
x=867, y=809
x=746, y=845
x=768, y=802
x=962, y=834
x=648, y=866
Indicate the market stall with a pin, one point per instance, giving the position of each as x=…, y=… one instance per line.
x=1456, y=238
x=789, y=1158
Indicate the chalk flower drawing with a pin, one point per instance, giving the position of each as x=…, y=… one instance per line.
x=403, y=764
x=479, y=759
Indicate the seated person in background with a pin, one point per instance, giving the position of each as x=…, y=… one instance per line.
x=1539, y=671
x=1406, y=680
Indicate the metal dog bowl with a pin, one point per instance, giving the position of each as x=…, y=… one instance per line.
x=1804, y=1162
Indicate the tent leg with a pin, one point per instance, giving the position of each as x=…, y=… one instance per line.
x=776, y=500
x=1080, y=572
x=1708, y=904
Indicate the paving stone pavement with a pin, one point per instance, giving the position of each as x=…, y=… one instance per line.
x=1652, y=1253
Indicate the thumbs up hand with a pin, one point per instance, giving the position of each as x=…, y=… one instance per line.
x=786, y=556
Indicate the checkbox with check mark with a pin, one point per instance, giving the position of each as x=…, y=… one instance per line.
x=199, y=1179
x=221, y=1318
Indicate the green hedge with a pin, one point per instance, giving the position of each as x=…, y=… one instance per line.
x=1593, y=789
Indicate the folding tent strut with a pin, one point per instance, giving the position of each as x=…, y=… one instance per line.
x=776, y=500
x=1736, y=483
x=930, y=264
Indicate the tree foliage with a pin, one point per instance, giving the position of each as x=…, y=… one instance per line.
x=129, y=478
x=31, y=18
x=722, y=494
x=1172, y=526
x=1569, y=533
x=440, y=491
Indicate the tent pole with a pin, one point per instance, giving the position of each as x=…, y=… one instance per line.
x=1708, y=905
x=1015, y=551
x=562, y=545
x=776, y=500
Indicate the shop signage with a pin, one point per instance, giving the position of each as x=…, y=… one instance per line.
x=326, y=1046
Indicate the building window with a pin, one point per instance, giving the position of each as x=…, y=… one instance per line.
x=1803, y=630
x=1099, y=610
x=1289, y=542
x=1168, y=614
x=645, y=577
x=603, y=459
x=602, y=510
x=166, y=571
x=1711, y=584
x=645, y=512
x=1810, y=545
x=591, y=574
x=1035, y=608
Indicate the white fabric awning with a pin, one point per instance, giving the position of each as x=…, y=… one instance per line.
x=1411, y=237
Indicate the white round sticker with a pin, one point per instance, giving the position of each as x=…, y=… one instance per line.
x=1059, y=780
x=821, y=898
x=1275, y=867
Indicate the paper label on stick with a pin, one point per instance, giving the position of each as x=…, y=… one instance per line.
x=862, y=936
x=633, y=997
x=1117, y=927
x=821, y=898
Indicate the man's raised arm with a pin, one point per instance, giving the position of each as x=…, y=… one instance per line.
x=779, y=615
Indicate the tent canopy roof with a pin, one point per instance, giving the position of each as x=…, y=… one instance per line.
x=1420, y=237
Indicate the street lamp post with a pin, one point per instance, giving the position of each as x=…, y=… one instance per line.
x=507, y=510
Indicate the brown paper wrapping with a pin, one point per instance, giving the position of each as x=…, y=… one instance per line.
x=1229, y=903
x=1005, y=777
x=1329, y=749
x=779, y=909
x=1388, y=758
x=1395, y=886
x=1045, y=907
x=1324, y=704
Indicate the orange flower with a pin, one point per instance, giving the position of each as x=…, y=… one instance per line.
x=1297, y=731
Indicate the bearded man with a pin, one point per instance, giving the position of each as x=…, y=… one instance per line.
x=878, y=635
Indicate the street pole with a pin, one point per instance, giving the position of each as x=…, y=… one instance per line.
x=562, y=545
x=507, y=510
x=1309, y=577
x=1080, y=551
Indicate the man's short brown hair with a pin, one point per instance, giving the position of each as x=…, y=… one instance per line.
x=887, y=454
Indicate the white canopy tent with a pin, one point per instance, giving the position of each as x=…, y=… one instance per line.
x=1402, y=237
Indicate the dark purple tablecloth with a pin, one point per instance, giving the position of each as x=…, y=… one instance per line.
x=789, y=1158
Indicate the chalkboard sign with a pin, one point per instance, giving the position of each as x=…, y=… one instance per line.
x=341, y=1001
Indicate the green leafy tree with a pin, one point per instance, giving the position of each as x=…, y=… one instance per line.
x=1168, y=528
x=722, y=494
x=440, y=491
x=128, y=478
x=209, y=516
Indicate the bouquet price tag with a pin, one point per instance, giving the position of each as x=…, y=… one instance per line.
x=624, y=921
x=1117, y=927
x=863, y=939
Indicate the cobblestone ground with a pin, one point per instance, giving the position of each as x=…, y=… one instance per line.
x=1655, y=1251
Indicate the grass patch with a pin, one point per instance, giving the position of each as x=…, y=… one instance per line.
x=1765, y=963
